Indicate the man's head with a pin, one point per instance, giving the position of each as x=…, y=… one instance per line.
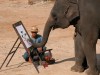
x=34, y=31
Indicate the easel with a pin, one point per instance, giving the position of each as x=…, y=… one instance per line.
x=16, y=48
x=12, y=51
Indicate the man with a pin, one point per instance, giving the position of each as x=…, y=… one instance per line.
x=36, y=38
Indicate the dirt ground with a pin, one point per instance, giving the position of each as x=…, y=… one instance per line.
x=60, y=40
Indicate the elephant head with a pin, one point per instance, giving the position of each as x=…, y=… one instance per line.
x=63, y=14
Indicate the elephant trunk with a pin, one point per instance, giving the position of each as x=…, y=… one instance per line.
x=46, y=32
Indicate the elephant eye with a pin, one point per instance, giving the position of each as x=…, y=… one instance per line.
x=54, y=16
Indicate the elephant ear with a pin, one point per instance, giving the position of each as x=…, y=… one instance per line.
x=72, y=12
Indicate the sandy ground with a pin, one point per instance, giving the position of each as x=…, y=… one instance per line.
x=60, y=40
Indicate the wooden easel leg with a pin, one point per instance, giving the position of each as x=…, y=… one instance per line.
x=13, y=54
x=9, y=53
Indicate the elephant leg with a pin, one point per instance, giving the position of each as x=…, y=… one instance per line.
x=89, y=43
x=80, y=62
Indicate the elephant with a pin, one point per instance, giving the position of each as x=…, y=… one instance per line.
x=84, y=15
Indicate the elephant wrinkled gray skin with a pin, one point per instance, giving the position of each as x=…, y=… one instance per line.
x=84, y=15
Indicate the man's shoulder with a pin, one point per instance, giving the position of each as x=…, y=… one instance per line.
x=39, y=38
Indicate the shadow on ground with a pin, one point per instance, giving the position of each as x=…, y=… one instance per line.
x=22, y=64
x=57, y=62
x=64, y=60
